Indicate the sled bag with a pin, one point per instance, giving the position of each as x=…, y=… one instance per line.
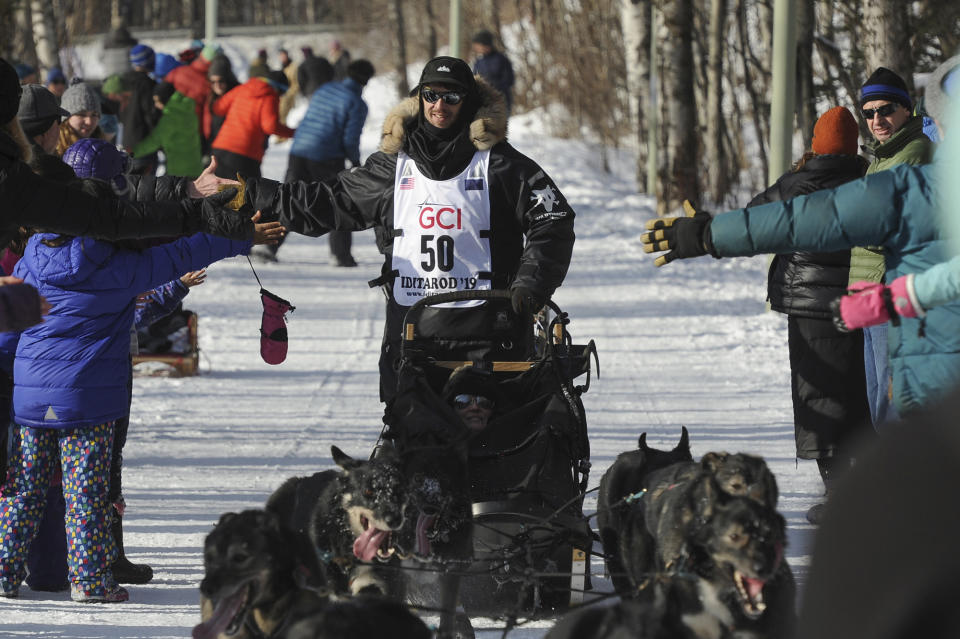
x=273, y=327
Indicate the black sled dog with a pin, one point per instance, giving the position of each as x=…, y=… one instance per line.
x=259, y=576
x=351, y=516
x=628, y=476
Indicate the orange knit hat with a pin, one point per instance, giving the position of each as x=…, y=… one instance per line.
x=836, y=133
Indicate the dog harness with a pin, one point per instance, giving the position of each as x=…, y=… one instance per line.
x=441, y=239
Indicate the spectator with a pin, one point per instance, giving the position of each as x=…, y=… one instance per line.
x=191, y=79
x=312, y=73
x=26, y=73
x=222, y=80
x=340, y=59
x=177, y=133
x=493, y=66
x=327, y=137
x=56, y=81
x=83, y=104
x=140, y=117
x=252, y=114
x=39, y=116
x=259, y=67
x=898, y=139
x=289, y=98
x=164, y=64
x=830, y=409
x=515, y=229
x=472, y=393
x=88, y=394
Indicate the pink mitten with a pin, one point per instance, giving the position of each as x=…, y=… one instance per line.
x=273, y=327
x=871, y=303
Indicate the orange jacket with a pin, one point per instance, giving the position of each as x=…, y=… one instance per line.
x=252, y=114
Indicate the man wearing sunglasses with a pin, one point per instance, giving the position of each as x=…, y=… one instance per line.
x=898, y=138
x=454, y=206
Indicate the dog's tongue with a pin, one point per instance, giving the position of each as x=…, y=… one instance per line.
x=222, y=615
x=754, y=587
x=424, y=523
x=365, y=546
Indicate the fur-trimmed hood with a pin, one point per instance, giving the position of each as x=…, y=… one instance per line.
x=488, y=128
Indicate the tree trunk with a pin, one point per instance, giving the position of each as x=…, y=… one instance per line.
x=885, y=38
x=806, y=107
x=717, y=177
x=431, y=29
x=681, y=105
x=23, y=47
x=753, y=84
x=44, y=34
x=636, y=25
x=403, y=87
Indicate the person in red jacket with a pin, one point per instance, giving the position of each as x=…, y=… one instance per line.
x=191, y=79
x=252, y=113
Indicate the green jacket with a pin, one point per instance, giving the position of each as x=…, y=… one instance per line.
x=909, y=145
x=178, y=134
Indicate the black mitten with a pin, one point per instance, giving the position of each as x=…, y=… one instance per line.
x=526, y=301
x=217, y=216
x=683, y=237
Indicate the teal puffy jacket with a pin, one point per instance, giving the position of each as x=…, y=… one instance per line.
x=895, y=209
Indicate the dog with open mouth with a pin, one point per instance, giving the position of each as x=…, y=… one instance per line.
x=352, y=516
x=259, y=576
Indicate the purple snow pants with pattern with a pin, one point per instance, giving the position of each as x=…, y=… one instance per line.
x=84, y=455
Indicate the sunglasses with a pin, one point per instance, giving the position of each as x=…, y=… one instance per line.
x=884, y=111
x=451, y=97
x=460, y=402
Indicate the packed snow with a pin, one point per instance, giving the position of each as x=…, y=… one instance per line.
x=688, y=344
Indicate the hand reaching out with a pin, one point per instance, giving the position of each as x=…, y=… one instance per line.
x=267, y=232
x=194, y=278
x=208, y=183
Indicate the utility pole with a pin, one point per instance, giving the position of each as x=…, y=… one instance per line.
x=210, y=21
x=455, y=20
x=784, y=69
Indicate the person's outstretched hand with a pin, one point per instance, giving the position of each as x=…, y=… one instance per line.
x=872, y=303
x=194, y=278
x=526, y=301
x=267, y=232
x=208, y=183
x=682, y=237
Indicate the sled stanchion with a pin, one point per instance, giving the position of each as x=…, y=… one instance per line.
x=578, y=569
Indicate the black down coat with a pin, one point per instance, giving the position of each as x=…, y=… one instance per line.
x=33, y=201
x=803, y=284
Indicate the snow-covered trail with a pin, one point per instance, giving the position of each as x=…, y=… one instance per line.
x=687, y=344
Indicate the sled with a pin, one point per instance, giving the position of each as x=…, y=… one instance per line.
x=527, y=471
x=173, y=364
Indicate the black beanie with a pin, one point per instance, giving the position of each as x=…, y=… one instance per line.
x=9, y=92
x=884, y=84
x=360, y=71
x=163, y=91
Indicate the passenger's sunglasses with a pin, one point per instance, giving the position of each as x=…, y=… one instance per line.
x=460, y=402
x=451, y=97
x=884, y=111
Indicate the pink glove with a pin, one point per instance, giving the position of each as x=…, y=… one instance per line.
x=871, y=303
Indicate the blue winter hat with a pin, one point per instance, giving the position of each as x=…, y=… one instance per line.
x=96, y=158
x=164, y=64
x=23, y=70
x=55, y=74
x=142, y=56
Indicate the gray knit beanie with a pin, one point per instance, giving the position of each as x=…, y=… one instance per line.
x=942, y=87
x=80, y=97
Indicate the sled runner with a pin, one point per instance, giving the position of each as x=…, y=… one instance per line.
x=522, y=477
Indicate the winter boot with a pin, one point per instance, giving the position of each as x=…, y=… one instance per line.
x=829, y=468
x=114, y=593
x=124, y=571
x=273, y=327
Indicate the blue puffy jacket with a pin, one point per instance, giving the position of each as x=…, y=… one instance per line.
x=73, y=369
x=895, y=209
x=332, y=125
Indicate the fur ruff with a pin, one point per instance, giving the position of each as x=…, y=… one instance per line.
x=489, y=125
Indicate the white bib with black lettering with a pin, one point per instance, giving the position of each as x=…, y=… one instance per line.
x=442, y=242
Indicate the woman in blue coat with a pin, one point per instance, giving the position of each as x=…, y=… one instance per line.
x=70, y=385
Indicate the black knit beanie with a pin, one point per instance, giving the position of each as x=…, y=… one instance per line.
x=884, y=84
x=9, y=92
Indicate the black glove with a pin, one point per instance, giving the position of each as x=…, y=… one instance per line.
x=683, y=237
x=218, y=218
x=526, y=301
